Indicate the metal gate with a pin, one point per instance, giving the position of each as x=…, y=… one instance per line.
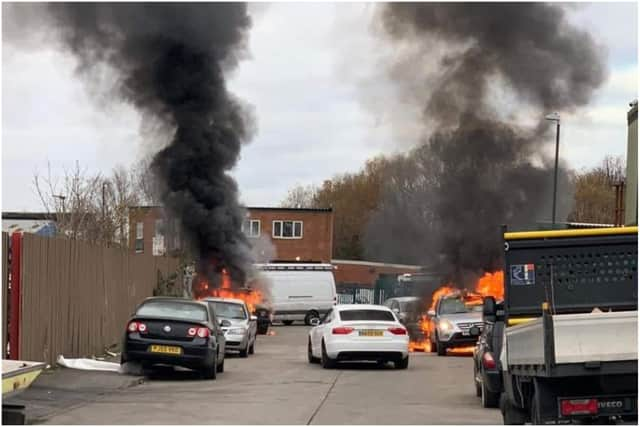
x=356, y=295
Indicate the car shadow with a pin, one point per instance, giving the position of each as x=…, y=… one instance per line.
x=365, y=366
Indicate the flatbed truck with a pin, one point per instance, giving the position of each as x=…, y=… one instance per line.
x=570, y=350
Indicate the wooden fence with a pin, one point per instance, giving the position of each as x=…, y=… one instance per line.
x=76, y=297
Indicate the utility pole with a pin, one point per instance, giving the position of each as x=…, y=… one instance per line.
x=556, y=118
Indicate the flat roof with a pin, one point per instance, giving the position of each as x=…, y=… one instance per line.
x=377, y=264
x=251, y=208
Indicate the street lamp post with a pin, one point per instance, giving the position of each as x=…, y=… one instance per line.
x=555, y=117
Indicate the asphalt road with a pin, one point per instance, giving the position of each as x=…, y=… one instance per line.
x=276, y=386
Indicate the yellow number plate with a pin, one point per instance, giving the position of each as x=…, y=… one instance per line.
x=371, y=333
x=165, y=349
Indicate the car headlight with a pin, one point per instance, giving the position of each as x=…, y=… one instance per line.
x=445, y=326
x=237, y=331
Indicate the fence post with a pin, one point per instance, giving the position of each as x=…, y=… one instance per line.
x=14, y=327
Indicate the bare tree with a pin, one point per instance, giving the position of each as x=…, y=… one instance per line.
x=594, y=193
x=145, y=183
x=300, y=196
x=71, y=203
x=89, y=207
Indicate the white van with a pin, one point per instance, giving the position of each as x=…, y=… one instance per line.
x=300, y=291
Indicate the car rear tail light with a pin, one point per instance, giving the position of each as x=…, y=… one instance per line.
x=342, y=331
x=487, y=361
x=579, y=407
x=137, y=327
x=192, y=332
x=203, y=332
x=398, y=331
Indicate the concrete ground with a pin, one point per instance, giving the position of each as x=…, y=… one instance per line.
x=275, y=386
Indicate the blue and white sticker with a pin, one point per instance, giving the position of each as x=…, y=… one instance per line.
x=523, y=274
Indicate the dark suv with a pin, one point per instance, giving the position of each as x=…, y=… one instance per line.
x=487, y=374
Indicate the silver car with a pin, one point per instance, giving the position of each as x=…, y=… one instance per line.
x=451, y=321
x=238, y=325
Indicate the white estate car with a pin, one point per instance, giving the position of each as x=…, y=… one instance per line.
x=359, y=332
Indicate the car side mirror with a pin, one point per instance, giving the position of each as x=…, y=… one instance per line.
x=253, y=318
x=474, y=331
x=489, y=306
x=314, y=321
x=396, y=310
x=431, y=313
x=224, y=323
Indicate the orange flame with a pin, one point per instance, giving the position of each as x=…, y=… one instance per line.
x=250, y=296
x=490, y=284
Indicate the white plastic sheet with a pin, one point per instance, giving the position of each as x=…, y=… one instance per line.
x=88, y=364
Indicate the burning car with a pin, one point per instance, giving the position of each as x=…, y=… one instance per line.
x=452, y=318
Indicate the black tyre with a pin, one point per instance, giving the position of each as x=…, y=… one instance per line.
x=245, y=351
x=402, y=363
x=327, y=362
x=488, y=398
x=441, y=348
x=220, y=367
x=263, y=329
x=310, y=357
x=288, y=322
x=209, y=372
x=311, y=315
x=510, y=414
x=252, y=347
x=534, y=416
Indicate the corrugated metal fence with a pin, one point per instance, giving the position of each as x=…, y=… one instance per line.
x=76, y=297
x=355, y=295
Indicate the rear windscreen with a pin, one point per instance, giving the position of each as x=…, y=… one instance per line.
x=173, y=310
x=379, y=315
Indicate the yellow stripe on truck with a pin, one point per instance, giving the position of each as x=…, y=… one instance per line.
x=611, y=231
x=520, y=321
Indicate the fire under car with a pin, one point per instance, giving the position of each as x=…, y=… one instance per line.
x=175, y=332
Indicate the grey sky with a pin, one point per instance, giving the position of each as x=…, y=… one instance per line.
x=307, y=80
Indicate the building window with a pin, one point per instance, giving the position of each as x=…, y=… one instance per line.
x=139, y=237
x=159, y=229
x=287, y=229
x=251, y=227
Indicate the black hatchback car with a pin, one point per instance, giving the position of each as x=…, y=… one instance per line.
x=177, y=332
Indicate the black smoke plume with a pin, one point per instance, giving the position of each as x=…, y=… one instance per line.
x=170, y=59
x=478, y=165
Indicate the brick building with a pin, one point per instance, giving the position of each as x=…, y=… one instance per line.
x=276, y=234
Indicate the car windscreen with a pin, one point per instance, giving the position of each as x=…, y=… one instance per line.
x=455, y=305
x=174, y=310
x=411, y=306
x=228, y=310
x=375, y=315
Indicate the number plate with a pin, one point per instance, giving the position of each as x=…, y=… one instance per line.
x=165, y=349
x=371, y=333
